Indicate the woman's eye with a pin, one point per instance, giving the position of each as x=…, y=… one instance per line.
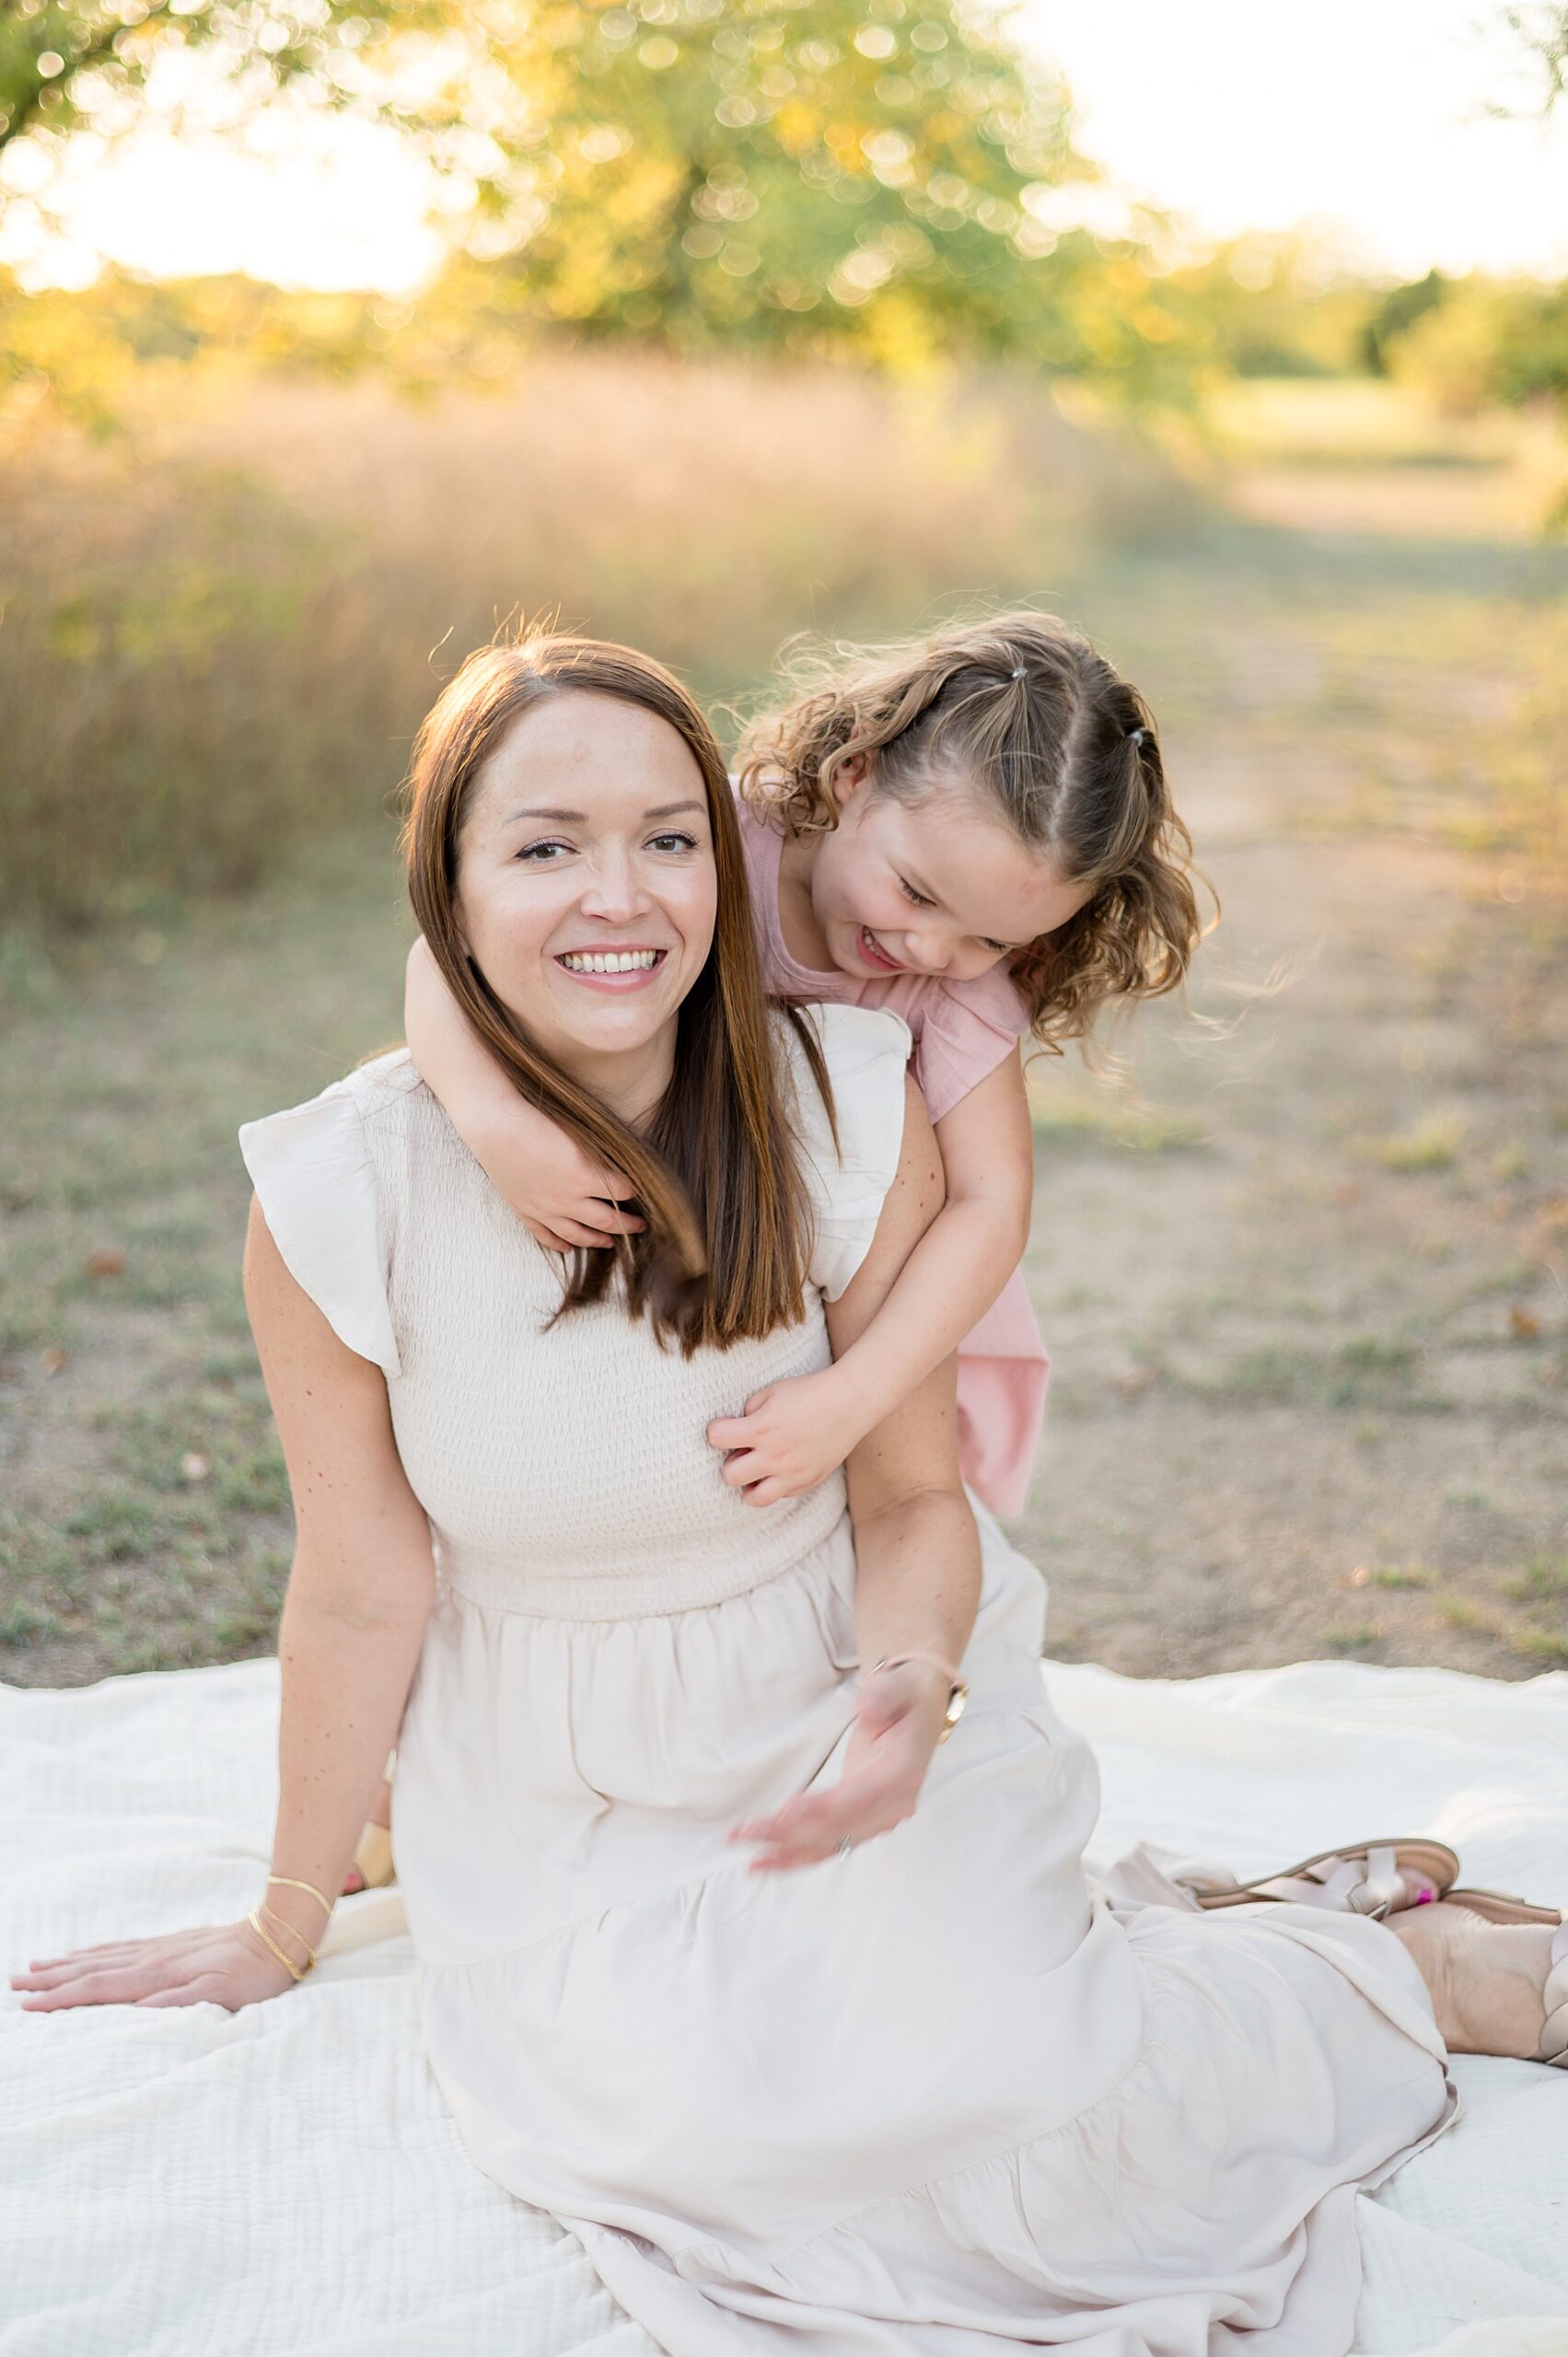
x=998, y=947
x=538, y=853
x=675, y=841
x=919, y=899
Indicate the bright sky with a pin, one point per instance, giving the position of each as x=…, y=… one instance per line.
x=1361, y=118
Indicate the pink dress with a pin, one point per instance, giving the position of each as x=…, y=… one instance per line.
x=961, y=1032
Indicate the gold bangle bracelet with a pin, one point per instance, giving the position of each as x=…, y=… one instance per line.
x=263, y=1933
x=294, y=1884
x=958, y=1689
x=291, y=1929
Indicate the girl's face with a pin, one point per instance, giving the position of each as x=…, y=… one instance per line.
x=937, y=888
x=586, y=888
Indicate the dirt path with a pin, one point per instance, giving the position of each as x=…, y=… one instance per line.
x=1303, y=1288
x=1305, y=1298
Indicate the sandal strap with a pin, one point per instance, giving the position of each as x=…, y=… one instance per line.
x=1365, y=1883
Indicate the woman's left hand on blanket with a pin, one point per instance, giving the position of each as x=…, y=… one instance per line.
x=899, y=1716
x=791, y=1438
x=221, y=1963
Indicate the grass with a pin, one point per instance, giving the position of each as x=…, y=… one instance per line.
x=1364, y=1370
x=1104, y=1121
x=1433, y=1144
x=125, y=1082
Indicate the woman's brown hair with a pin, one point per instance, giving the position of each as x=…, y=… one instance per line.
x=1025, y=712
x=716, y=1175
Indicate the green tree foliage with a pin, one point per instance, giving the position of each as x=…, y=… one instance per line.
x=877, y=174
x=1484, y=342
x=1541, y=27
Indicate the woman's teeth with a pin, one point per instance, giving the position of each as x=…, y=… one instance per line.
x=612, y=962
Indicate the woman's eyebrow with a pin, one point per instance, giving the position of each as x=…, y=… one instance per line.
x=580, y=818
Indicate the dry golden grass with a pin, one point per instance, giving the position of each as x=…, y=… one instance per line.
x=224, y=628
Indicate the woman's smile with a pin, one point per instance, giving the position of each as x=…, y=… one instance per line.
x=616, y=969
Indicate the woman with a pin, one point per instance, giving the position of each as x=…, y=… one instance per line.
x=796, y=2085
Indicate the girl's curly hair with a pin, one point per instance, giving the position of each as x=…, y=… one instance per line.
x=1023, y=711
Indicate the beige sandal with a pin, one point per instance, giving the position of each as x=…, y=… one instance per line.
x=373, y=1860
x=373, y=1857
x=1498, y=1907
x=1374, y=1878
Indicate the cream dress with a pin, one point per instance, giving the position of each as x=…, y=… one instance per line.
x=937, y=2098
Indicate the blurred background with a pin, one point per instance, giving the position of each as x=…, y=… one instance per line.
x=333, y=335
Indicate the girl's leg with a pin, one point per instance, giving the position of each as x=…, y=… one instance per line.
x=1487, y=1981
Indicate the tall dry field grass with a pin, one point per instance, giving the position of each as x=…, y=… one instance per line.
x=221, y=631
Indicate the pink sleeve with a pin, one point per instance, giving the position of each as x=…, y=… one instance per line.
x=967, y=1032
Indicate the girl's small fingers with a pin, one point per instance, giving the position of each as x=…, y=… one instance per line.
x=546, y=1235
x=609, y=1218
x=770, y=1491
x=581, y=1238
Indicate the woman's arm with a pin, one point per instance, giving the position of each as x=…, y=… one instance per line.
x=359, y=1596
x=361, y=1588
x=794, y=1434
x=562, y=1198
x=917, y=1554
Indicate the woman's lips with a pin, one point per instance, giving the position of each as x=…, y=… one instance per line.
x=875, y=954
x=619, y=985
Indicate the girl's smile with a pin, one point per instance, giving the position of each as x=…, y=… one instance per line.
x=934, y=887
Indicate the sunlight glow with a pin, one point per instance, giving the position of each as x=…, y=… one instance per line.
x=1363, y=120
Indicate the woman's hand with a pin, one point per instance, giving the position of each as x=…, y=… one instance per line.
x=221, y=1963
x=900, y=1716
x=791, y=1438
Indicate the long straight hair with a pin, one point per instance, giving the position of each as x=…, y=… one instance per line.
x=716, y=1176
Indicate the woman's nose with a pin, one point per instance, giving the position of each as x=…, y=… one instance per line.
x=614, y=889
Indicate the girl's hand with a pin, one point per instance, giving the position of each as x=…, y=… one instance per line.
x=563, y=1198
x=221, y=1963
x=900, y=1716
x=791, y=1438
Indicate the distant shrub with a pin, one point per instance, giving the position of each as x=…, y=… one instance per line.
x=221, y=630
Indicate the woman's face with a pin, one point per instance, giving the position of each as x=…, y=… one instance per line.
x=586, y=888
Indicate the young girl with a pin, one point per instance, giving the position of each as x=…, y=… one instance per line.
x=973, y=830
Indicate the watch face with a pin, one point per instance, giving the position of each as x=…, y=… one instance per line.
x=956, y=1701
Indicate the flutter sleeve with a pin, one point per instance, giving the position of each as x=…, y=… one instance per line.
x=866, y=1051
x=968, y=1028
x=316, y=1183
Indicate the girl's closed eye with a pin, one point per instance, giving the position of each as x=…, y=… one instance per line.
x=923, y=901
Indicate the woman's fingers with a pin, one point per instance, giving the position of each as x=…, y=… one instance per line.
x=223, y=1963
x=208, y=1989
x=115, y=1984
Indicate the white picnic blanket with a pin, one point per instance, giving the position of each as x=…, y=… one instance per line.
x=187, y=2183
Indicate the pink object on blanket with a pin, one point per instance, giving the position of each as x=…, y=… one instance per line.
x=961, y=1031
